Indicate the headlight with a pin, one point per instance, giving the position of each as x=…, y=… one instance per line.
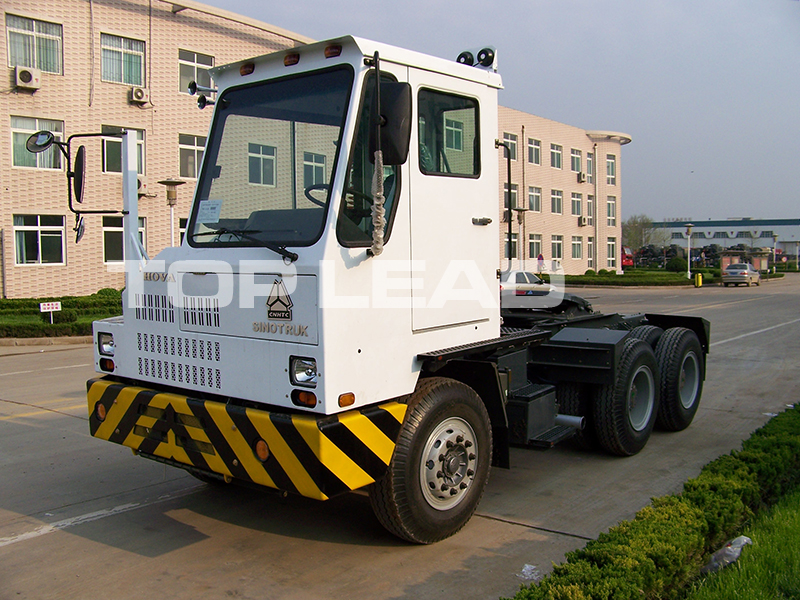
x=303, y=371
x=105, y=344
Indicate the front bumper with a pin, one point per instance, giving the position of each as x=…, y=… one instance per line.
x=316, y=457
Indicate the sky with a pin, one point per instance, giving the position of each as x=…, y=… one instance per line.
x=709, y=90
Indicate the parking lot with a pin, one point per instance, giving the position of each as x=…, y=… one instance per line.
x=82, y=518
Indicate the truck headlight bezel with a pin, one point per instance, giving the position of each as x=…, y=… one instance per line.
x=105, y=343
x=303, y=371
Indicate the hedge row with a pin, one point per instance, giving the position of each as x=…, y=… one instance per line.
x=32, y=330
x=662, y=549
x=105, y=299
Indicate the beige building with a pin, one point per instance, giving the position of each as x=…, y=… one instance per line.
x=95, y=67
x=85, y=67
x=565, y=195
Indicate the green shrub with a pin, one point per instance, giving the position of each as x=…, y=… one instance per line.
x=590, y=272
x=65, y=315
x=677, y=264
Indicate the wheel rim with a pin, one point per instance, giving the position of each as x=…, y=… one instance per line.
x=449, y=463
x=689, y=380
x=641, y=398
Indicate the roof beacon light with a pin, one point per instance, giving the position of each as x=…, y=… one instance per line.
x=333, y=51
x=247, y=69
x=291, y=59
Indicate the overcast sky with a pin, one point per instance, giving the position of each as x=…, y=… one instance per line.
x=709, y=90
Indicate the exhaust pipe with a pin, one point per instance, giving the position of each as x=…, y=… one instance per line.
x=571, y=421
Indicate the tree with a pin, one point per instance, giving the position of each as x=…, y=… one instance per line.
x=635, y=231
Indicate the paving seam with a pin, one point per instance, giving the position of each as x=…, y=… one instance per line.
x=528, y=526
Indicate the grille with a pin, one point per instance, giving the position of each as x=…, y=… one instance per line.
x=160, y=358
x=201, y=311
x=152, y=307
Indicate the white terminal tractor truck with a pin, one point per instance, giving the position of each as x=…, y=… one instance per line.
x=329, y=325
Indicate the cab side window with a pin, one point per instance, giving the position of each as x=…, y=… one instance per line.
x=447, y=129
x=354, y=224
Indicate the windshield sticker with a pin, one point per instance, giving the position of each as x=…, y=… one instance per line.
x=209, y=211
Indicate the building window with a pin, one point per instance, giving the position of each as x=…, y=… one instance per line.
x=261, y=160
x=511, y=140
x=699, y=235
x=535, y=199
x=557, y=246
x=113, y=238
x=766, y=234
x=194, y=66
x=719, y=235
x=513, y=245
x=677, y=235
x=34, y=44
x=112, y=150
x=39, y=239
x=742, y=234
x=21, y=130
x=590, y=167
x=577, y=246
x=577, y=200
x=182, y=228
x=534, y=244
x=534, y=151
x=555, y=156
x=122, y=60
x=611, y=211
x=590, y=253
x=576, y=159
x=191, y=148
x=454, y=135
x=313, y=169
x=513, y=195
x=611, y=169
x=556, y=201
x=590, y=210
x=612, y=253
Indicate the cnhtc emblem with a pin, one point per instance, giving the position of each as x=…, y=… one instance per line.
x=279, y=302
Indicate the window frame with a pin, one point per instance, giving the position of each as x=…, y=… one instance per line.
x=556, y=197
x=514, y=195
x=577, y=244
x=514, y=247
x=423, y=126
x=195, y=65
x=611, y=211
x=534, y=151
x=310, y=160
x=611, y=169
x=140, y=148
x=577, y=203
x=34, y=47
x=590, y=252
x=273, y=158
x=534, y=198
x=39, y=229
x=534, y=244
x=52, y=154
x=197, y=153
x=576, y=160
x=511, y=140
x=611, y=253
x=556, y=156
x=557, y=246
x=123, y=53
x=590, y=167
x=119, y=229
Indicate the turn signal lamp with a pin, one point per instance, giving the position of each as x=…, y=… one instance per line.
x=107, y=365
x=291, y=59
x=100, y=411
x=347, y=399
x=304, y=398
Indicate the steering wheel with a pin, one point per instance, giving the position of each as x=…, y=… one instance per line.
x=360, y=212
x=311, y=188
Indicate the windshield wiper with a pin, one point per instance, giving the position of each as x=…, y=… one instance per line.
x=245, y=234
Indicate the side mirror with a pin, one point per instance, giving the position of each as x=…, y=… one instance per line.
x=79, y=174
x=395, y=112
x=40, y=141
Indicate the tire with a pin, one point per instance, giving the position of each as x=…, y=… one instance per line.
x=575, y=399
x=680, y=361
x=647, y=333
x=440, y=465
x=625, y=412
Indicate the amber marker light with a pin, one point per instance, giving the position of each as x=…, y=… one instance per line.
x=291, y=59
x=107, y=365
x=247, y=69
x=262, y=450
x=100, y=411
x=304, y=398
x=333, y=51
x=347, y=399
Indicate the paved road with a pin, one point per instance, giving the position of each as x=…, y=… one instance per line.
x=81, y=518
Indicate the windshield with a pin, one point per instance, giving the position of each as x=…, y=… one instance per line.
x=270, y=161
x=738, y=266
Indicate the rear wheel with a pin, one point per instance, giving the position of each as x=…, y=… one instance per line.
x=680, y=360
x=625, y=412
x=647, y=333
x=440, y=464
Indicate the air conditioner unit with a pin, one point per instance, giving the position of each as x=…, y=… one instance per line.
x=141, y=187
x=583, y=221
x=140, y=95
x=28, y=78
x=581, y=177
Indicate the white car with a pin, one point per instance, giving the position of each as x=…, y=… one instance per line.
x=740, y=273
x=522, y=289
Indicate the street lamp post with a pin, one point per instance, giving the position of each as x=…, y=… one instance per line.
x=689, y=250
x=172, y=200
x=774, y=252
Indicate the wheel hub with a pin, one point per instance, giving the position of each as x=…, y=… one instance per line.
x=449, y=463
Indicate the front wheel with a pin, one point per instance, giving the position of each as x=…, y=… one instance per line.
x=440, y=464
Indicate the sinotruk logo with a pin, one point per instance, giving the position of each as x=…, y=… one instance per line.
x=279, y=302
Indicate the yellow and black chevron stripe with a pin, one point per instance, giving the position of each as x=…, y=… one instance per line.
x=317, y=457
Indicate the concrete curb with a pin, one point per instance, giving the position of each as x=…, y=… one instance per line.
x=46, y=341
